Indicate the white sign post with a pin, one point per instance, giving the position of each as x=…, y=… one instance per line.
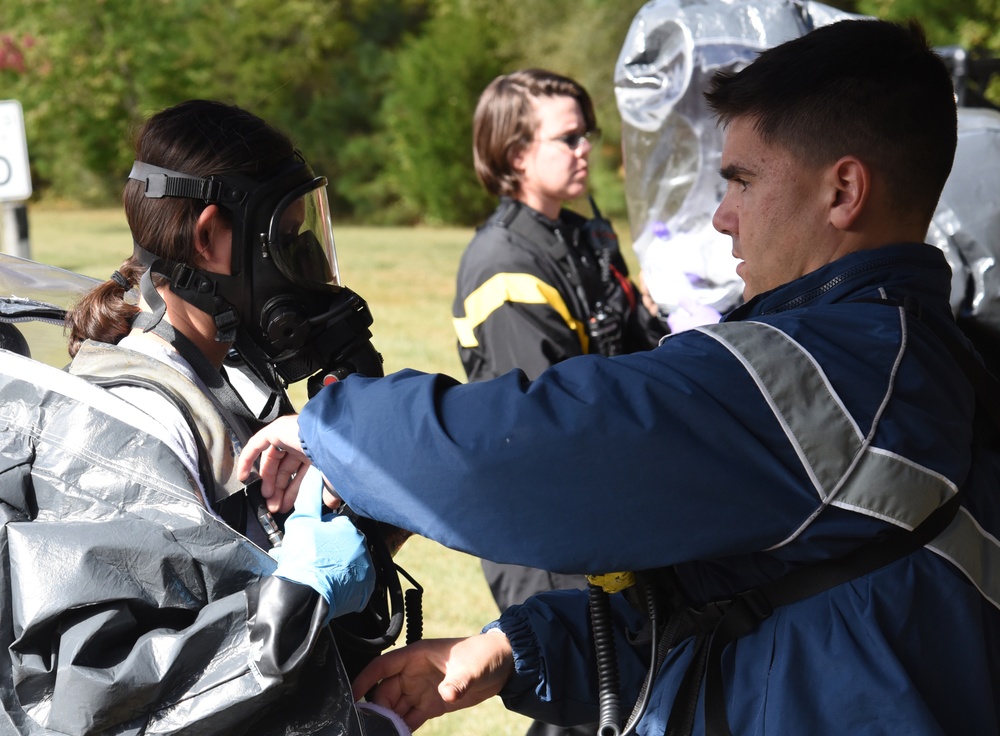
x=15, y=179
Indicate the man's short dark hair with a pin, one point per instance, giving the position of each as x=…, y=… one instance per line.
x=867, y=88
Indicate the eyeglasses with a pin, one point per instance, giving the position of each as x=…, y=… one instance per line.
x=574, y=140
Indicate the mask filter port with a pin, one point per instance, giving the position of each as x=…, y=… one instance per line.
x=284, y=325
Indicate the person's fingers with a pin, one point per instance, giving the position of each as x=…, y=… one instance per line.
x=248, y=456
x=406, y=681
x=415, y=708
x=283, y=502
x=452, y=691
x=415, y=718
x=384, y=666
x=389, y=694
x=279, y=438
x=435, y=676
x=272, y=458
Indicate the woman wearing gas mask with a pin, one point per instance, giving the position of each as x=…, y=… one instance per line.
x=163, y=616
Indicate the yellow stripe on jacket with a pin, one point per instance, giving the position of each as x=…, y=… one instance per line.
x=516, y=288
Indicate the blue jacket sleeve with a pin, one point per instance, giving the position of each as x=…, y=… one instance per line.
x=555, y=677
x=645, y=460
x=604, y=452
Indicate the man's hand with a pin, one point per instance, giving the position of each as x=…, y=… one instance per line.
x=282, y=462
x=436, y=676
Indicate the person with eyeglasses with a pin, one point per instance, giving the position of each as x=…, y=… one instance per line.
x=540, y=283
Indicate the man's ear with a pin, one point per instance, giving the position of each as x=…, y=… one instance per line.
x=850, y=180
x=213, y=241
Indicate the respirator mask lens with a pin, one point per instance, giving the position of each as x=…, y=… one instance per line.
x=300, y=237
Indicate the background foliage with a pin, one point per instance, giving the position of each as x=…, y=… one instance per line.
x=378, y=94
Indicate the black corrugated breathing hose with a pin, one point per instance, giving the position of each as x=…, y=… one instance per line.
x=607, y=662
x=609, y=723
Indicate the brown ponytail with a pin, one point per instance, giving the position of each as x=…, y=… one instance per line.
x=103, y=314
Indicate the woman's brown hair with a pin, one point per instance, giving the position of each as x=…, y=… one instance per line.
x=198, y=137
x=505, y=122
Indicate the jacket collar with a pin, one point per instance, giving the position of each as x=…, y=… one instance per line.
x=911, y=267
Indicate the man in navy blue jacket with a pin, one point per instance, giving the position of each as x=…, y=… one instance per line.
x=830, y=410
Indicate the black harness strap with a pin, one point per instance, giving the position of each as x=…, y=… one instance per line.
x=720, y=623
x=744, y=612
x=232, y=509
x=222, y=393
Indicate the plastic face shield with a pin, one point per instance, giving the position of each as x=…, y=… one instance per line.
x=300, y=237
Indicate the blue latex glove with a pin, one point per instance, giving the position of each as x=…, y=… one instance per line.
x=325, y=552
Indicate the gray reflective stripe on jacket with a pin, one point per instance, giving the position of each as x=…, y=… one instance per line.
x=846, y=470
x=110, y=365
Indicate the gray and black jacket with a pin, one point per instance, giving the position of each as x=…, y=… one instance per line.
x=528, y=288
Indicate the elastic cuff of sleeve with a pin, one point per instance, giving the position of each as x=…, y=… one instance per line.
x=284, y=619
x=527, y=660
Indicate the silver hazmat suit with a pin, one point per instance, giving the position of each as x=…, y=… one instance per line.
x=672, y=147
x=126, y=607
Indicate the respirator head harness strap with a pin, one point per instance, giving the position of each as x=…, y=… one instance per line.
x=283, y=257
x=189, y=284
x=192, y=285
x=162, y=182
x=283, y=294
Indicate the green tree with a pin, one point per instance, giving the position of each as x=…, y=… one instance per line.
x=437, y=78
x=91, y=72
x=974, y=25
x=318, y=70
x=345, y=125
x=462, y=48
x=581, y=39
x=83, y=79
x=378, y=94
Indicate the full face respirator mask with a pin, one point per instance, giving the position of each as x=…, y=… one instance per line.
x=284, y=293
x=283, y=306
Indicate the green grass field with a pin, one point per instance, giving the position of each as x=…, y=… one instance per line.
x=407, y=276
